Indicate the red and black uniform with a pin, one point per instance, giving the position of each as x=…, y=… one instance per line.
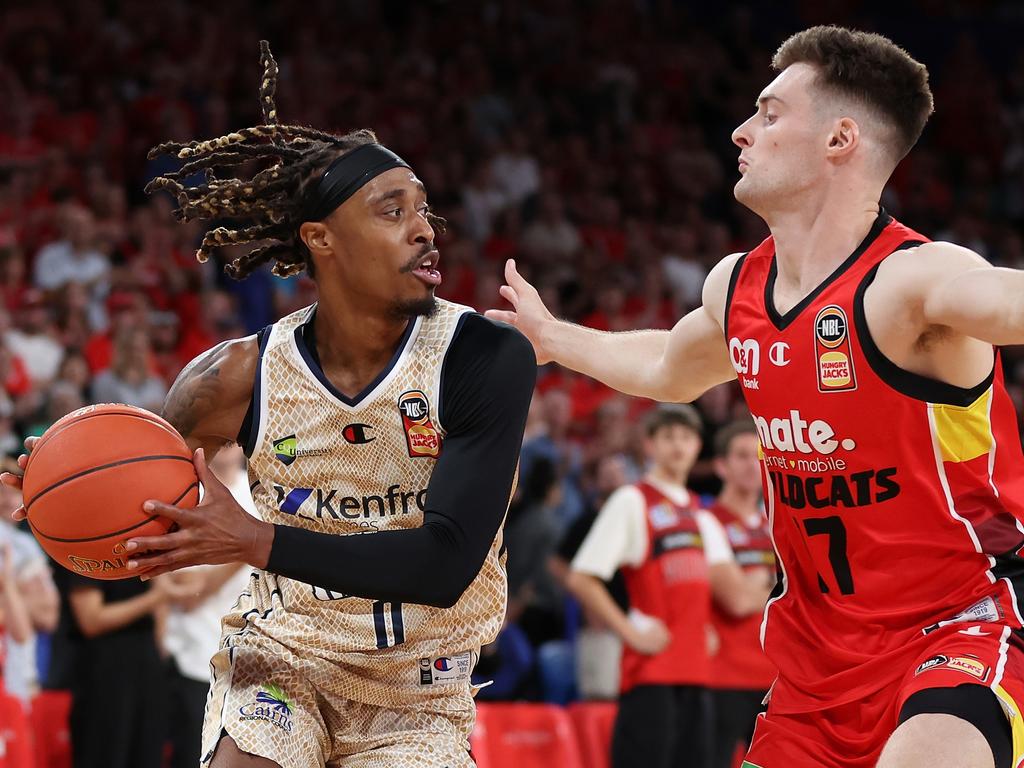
x=15, y=734
x=740, y=672
x=671, y=585
x=894, y=503
x=663, y=714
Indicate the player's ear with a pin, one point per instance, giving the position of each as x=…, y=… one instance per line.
x=843, y=138
x=316, y=237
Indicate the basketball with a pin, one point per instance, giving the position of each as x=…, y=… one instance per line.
x=87, y=479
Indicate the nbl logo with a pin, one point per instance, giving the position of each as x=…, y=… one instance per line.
x=831, y=327
x=413, y=406
x=421, y=437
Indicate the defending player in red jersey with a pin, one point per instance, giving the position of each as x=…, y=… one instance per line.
x=893, y=473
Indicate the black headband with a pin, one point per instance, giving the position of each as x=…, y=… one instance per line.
x=346, y=176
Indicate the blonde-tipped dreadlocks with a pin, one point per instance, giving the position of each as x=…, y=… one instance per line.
x=272, y=198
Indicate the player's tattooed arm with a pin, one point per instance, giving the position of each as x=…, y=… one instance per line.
x=208, y=400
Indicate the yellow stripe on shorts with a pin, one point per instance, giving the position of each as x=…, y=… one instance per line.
x=1013, y=711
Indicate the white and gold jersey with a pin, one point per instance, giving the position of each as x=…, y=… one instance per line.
x=322, y=461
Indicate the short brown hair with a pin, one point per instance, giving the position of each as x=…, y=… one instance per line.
x=669, y=415
x=869, y=68
x=725, y=435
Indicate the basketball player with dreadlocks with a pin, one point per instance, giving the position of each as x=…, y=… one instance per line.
x=891, y=457
x=379, y=410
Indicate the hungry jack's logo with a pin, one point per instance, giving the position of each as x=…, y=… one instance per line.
x=421, y=437
x=832, y=349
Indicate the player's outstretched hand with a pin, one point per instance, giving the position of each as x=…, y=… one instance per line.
x=528, y=312
x=216, y=531
x=13, y=479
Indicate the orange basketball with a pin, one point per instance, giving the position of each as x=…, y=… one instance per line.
x=87, y=479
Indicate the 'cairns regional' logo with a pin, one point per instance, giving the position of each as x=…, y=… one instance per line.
x=832, y=348
x=421, y=437
x=272, y=705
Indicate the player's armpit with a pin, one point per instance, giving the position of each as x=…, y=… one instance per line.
x=208, y=401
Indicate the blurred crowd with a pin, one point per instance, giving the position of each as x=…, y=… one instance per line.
x=589, y=141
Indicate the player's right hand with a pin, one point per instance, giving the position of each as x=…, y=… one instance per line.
x=649, y=639
x=528, y=312
x=13, y=479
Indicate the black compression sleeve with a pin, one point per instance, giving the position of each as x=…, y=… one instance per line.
x=487, y=383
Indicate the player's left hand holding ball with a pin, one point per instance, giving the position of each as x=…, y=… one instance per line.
x=216, y=531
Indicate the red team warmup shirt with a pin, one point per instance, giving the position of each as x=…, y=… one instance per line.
x=740, y=664
x=893, y=501
x=672, y=584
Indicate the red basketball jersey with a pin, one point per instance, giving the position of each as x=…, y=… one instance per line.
x=893, y=499
x=740, y=663
x=671, y=585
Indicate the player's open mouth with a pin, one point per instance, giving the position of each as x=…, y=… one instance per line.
x=427, y=269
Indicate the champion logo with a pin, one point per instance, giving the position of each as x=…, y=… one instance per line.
x=778, y=354
x=356, y=434
x=974, y=631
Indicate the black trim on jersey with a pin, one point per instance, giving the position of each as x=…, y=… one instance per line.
x=733, y=279
x=903, y=381
x=476, y=338
x=305, y=340
x=781, y=322
x=444, y=364
x=251, y=423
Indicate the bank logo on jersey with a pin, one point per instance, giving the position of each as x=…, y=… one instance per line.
x=421, y=437
x=746, y=359
x=271, y=705
x=832, y=349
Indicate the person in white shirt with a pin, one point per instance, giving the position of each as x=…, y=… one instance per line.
x=36, y=591
x=73, y=258
x=675, y=559
x=192, y=632
x=34, y=337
